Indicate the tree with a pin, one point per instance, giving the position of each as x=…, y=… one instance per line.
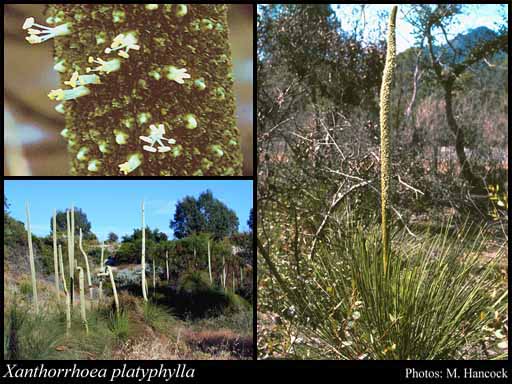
x=204, y=214
x=6, y=204
x=220, y=221
x=81, y=221
x=131, y=245
x=250, y=221
x=449, y=64
x=187, y=218
x=112, y=237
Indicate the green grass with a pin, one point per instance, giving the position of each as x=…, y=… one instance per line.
x=119, y=325
x=157, y=317
x=30, y=336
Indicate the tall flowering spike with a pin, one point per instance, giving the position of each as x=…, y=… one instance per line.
x=36, y=36
x=385, y=146
x=145, y=65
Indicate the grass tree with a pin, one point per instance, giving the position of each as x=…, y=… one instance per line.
x=385, y=141
x=32, y=264
x=427, y=297
x=70, y=221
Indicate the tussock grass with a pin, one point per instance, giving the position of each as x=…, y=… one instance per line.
x=157, y=317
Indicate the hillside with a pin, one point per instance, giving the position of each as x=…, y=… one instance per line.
x=144, y=331
x=145, y=297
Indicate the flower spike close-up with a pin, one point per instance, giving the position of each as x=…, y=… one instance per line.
x=124, y=66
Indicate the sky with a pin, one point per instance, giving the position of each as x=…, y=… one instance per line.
x=115, y=205
x=473, y=16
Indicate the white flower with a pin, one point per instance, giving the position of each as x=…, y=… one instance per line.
x=156, y=136
x=77, y=79
x=133, y=162
x=68, y=94
x=124, y=41
x=105, y=66
x=37, y=36
x=176, y=74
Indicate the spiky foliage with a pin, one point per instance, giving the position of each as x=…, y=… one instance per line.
x=438, y=300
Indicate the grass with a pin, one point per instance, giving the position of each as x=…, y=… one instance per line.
x=157, y=317
x=119, y=325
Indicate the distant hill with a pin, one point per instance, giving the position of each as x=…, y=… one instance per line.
x=463, y=43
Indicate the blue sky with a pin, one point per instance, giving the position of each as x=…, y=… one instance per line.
x=473, y=15
x=114, y=205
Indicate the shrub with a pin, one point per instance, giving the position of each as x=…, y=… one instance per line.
x=197, y=281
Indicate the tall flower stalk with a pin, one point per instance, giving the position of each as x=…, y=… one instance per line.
x=385, y=142
x=32, y=264
x=143, y=258
x=55, y=255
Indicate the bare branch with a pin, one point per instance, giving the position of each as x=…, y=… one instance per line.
x=416, y=191
x=337, y=199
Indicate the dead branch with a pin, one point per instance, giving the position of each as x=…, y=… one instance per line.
x=337, y=199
